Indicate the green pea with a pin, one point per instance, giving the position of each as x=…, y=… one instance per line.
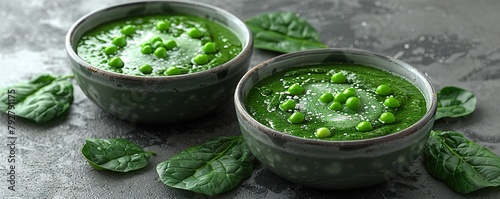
x=116, y=62
x=323, y=132
x=350, y=92
x=336, y=106
x=353, y=103
x=157, y=44
x=296, y=118
x=170, y=44
x=172, y=71
x=155, y=39
x=364, y=126
x=110, y=50
x=119, y=41
x=162, y=26
x=391, y=102
x=146, y=43
x=338, y=78
x=160, y=52
x=296, y=89
x=383, y=90
x=194, y=33
x=287, y=105
x=200, y=59
x=387, y=118
x=146, y=49
x=340, y=97
x=209, y=47
x=128, y=30
x=146, y=69
x=326, y=98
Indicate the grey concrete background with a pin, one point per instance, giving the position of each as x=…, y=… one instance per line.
x=453, y=42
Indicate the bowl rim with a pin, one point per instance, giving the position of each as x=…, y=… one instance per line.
x=240, y=107
x=246, y=51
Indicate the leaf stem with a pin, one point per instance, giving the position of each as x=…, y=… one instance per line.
x=68, y=77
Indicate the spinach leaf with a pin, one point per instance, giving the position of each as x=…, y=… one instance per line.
x=41, y=99
x=283, y=32
x=455, y=102
x=214, y=167
x=464, y=165
x=115, y=154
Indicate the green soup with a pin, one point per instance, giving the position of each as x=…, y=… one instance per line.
x=159, y=45
x=336, y=102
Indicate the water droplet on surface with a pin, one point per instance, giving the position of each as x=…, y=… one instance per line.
x=421, y=39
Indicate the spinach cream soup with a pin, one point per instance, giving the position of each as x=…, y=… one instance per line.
x=159, y=45
x=335, y=102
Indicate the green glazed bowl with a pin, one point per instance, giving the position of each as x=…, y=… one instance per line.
x=164, y=99
x=335, y=164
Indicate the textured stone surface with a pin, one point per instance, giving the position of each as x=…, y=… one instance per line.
x=454, y=42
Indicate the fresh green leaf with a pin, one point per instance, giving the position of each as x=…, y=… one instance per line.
x=115, y=154
x=464, y=165
x=41, y=99
x=214, y=167
x=283, y=32
x=455, y=102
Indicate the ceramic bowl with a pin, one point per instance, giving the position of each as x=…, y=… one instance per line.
x=164, y=99
x=335, y=164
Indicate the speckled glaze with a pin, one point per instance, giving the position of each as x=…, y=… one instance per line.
x=165, y=99
x=335, y=164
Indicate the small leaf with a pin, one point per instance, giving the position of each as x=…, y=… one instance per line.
x=464, y=165
x=41, y=99
x=283, y=32
x=214, y=167
x=455, y=102
x=115, y=154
